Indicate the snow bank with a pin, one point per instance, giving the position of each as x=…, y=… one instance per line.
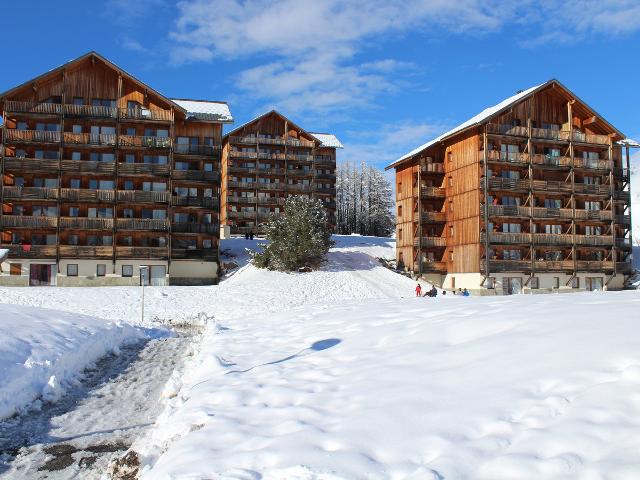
x=42, y=351
x=527, y=387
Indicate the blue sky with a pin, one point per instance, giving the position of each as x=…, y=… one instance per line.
x=385, y=76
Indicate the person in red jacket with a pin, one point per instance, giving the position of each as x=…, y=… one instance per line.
x=418, y=290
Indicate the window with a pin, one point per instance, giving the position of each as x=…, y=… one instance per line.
x=74, y=183
x=76, y=156
x=207, y=243
x=451, y=181
x=453, y=283
x=127, y=270
x=128, y=185
x=556, y=282
x=101, y=269
x=129, y=158
x=74, y=211
x=451, y=255
x=575, y=282
x=450, y=157
x=450, y=231
x=72, y=270
x=130, y=131
x=73, y=239
x=511, y=228
x=535, y=283
x=15, y=269
x=399, y=211
x=76, y=128
x=78, y=101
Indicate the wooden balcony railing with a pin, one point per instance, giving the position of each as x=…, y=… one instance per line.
x=428, y=242
x=209, y=202
x=551, y=186
x=508, y=211
x=550, y=134
x=430, y=267
x=432, y=167
x=30, y=251
x=553, y=239
x=594, y=240
x=271, y=156
x=594, y=265
x=12, y=106
x=270, y=201
x=143, y=197
x=142, y=252
x=86, y=251
x=623, y=219
x=25, y=221
x=35, y=136
x=93, y=139
x=142, y=113
x=84, y=167
x=554, y=265
x=594, y=215
x=198, y=150
x=245, y=170
x=245, y=200
x=241, y=154
x=499, y=237
x=194, y=227
x=208, y=254
x=87, y=195
x=198, y=175
x=30, y=193
x=324, y=190
x=588, y=189
x=507, y=265
x=326, y=176
x=30, y=165
x=501, y=129
x=624, y=243
x=507, y=157
x=151, y=169
x=430, y=217
x=560, y=213
x=142, y=224
x=592, y=163
x=324, y=160
x=511, y=184
x=590, y=138
x=85, y=223
x=242, y=215
x=298, y=187
x=432, y=192
x=293, y=172
x=550, y=160
x=299, y=158
x=144, y=141
x=93, y=111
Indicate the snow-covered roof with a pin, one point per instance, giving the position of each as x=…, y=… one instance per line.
x=328, y=140
x=479, y=118
x=206, y=110
x=629, y=142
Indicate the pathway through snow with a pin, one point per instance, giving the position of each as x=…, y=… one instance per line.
x=79, y=436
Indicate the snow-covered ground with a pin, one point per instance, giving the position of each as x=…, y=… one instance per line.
x=43, y=351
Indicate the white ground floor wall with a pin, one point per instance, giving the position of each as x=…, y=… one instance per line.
x=100, y=272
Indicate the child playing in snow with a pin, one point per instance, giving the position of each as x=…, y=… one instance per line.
x=418, y=290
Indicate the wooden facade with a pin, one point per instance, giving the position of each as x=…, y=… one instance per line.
x=96, y=165
x=266, y=160
x=537, y=188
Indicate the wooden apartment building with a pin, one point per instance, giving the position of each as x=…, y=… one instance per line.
x=101, y=174
x=268, y=159
x=531, y=194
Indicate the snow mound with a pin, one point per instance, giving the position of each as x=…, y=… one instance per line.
x=43, y=351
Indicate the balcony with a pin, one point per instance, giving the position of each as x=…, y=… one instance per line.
x=271, y=156
x=623, y=219
x=90, y=139
x=432, y=192
x=427, y=242
x=554, y=265
x=146, y=169
x=539, y=159
x=515, y=158
x=509, y=184
x=30, y=193
x=558, y=213
x=590, y=138
x=31, y=251
x=90, y=111
x=194, y=227
x=86, y=251
x=85, y=223
x=324, y=190
x=592, y=163
x=622, y=195
x=324, y=160
x=246, y=200
x=40, y=108
x=253, y=139
x=508, y=211
x=145, y=114
x=552, y=186
x=594, y=265
x=507, y=265
x=140, y=196
x=196, y=150
x=84, y=167
x=589, y=189
x=553, y=239
x=87, y=195
x=326, y=176
x=298, y=187
x=196, y=175
x=594, y=240
x=431, y=167
x=242, y=215
x=429, y=217
x=270, y=201
x=292, y=172
x=161, y=225
x=241, y=154
x=623, y=243
x=507, y=238
x=275, y=186
x=30, y=165
x=430, y=267
x=299, y=158
x=245, y=170
x=209, y=202
x=142, y=252
x=594, y=215
x=25, y=221
x=550, y=134
x=31, y=136
x=206, y=254
x=510, y=130
x=144, y=141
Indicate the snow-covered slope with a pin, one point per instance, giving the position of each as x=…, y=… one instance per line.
x=42, y=350
x=524, y=387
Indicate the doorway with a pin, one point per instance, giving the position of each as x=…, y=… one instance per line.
x=40, y=275
x=157, y=276
x=511, y=285
x=594, y=284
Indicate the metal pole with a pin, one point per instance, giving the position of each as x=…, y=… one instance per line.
x=143, y=274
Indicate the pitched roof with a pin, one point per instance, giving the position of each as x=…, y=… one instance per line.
x=328, y=140
x=275, y=112
x=485, y=115
x=205, y=110
x=629, y=142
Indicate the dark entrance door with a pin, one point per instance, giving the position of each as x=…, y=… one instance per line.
x=39, y=274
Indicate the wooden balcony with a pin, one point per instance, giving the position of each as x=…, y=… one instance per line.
x=507, y=265
x=87, y=195
x=31, y=136
x=508, y=211
x=554, y=265
x=590, y=138
x=553, y=239
x=90, y=111
x=432, y=167
x=139, y=196
x=25, y=221
x=594, y=215
x=624, y=267
x=555, y=213
x=623, y=243
x=196, y=150
x=292, y=172
x=144, y=169
x=622, y=195
x=432, y=192
x=90, y=139
x=552, y=186
x=326, y=176
x=324, y=160
x=429, y=242
x=550, y=134
x=299, y=187
x=144, y=141
x=207, y=202
x=594, y=240
x=508, y=184
x=30, y=165
x=247, y=170
x=594, y=265
x=270, y=201
x=142, y=252
x=245, y=200
x=194, y=227
x=85, y=167
x=429, y=217
x=203, y=254
x=30, y=193
x=588, y=189
x=145, y=114
x=246, y=185
x=592, y=164
x=31, y=251
x=510, y=130
x=295, y=157
x=541, y=160
x=86, y=251
x=507, y=238
x=324, y=190
x=154, y=224
x=430, y=267
x=85, y=223
x=271, y=156
x=241, y=154
x=623, y=219
x=242, y=215
x=39, y=108
x=196, y=175
x=515, y=158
